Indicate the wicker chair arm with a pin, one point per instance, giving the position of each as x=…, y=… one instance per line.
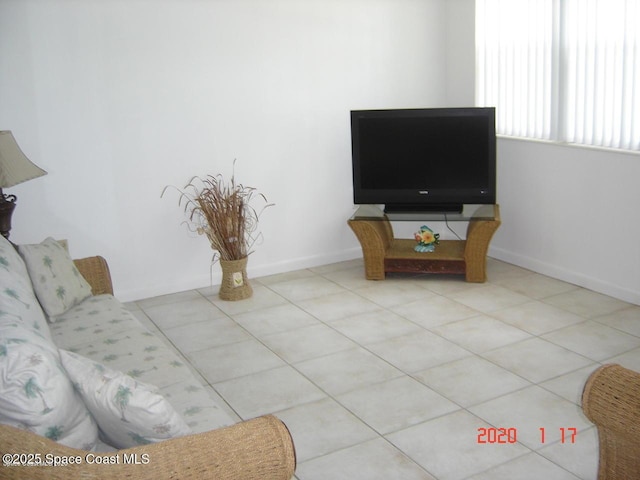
x=611, y=400
x=260, y=449
x=95, y=270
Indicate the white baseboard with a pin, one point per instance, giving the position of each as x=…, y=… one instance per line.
x=305, y=262
x=576, y=278
x=561, y=273
x=253, y=271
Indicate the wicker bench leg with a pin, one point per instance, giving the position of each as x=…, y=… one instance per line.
x=374, y=237
x=479, y=234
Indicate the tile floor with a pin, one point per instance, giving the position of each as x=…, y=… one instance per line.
x=396, y=379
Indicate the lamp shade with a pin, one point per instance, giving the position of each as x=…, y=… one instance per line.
x=15, y=167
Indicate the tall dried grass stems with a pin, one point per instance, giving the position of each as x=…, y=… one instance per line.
x=223, y=212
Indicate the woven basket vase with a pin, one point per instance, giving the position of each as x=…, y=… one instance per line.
x=235, y=285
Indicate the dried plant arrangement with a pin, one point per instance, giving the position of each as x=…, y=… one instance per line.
x=223, y=211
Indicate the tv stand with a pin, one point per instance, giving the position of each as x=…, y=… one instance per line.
x=429, y=209
x=383, y=253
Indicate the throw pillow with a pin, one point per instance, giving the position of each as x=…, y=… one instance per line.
x=56, y=281
x=128, y=412
x=18, y=303
x=36, y=393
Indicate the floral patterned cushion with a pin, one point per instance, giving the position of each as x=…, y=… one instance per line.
x=92, y=322
x=196, y=406
x=103, y=330
x=18, y=303
x=36, y=393
x=128, y=412
x=56, y=281
x=98, y=327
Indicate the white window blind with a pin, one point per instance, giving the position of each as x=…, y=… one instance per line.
x=565, y=70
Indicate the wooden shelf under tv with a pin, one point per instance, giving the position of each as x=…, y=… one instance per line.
x=383, y=253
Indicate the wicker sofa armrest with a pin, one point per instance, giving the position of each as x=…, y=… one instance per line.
x=611, y=400
x=95, y=270
x=260, y=449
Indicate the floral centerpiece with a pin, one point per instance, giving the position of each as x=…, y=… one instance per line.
x=427, y=240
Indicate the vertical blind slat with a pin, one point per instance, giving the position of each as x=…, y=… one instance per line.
x=567, y=70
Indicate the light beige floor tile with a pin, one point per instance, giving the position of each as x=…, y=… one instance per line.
x=593, y=340
x=571, y=385
x=529, y=410
x=537, y=317
x=197, y=309
x=322, y=427
x=434, y=310
x=490, y=298
x=471, y=380
x=234, y=360
x=580, y=458
x=307, y=342
x=306, y=288
x=498, y=271
x=337, y=266
x=268, y=392
x=396, y=404
x=298, y=315
x=177, y=297
x=262, y=297
x=209, y=333
x=374, y=326
x=275, y=319
x=372, y=460
x=336, y=306
x=586, y=303
x=480, y=334
x=447, y=284
x=417, y=351
x=345, y=371
x=630, y=359
x=390, y=294
x=536, y=359
x=286, y=277
x=350, y=278
x=626, y=320
x=536, y=286
x=528, y=467
x=448, y=446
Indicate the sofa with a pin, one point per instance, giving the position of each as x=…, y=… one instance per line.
x=89, y=392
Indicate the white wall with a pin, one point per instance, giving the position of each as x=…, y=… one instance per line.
x=571, y=213
x=568, y=212
x=460, y=59
x=118, y=99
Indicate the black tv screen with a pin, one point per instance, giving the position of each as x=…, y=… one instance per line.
x=424, y=159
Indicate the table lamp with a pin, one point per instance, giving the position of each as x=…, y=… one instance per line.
x=15, y=168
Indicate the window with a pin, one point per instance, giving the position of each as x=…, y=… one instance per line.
x=563, y=70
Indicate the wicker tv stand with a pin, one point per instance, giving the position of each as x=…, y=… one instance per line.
x=383, y=253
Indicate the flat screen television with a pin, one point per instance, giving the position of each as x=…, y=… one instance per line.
x=430, y=160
